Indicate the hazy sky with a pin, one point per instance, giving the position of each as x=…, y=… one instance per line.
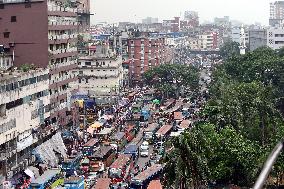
x=247, y=11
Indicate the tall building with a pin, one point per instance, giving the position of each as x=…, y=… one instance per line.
x=172, y=25
x=144, y=53
x=191, y=18
x=224, y=22
x=276, y=13
x=43, y=33
x=257, y=38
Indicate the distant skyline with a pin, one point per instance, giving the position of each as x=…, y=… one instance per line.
x=113, y=11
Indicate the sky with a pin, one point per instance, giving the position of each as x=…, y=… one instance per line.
x=113, y=11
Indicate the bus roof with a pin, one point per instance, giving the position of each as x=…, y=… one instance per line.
x=46, y=176
x=154, y=169
x=151, y=127
x=155, y=184
x=102, y=151
x=121, y=161
x=102, y=183
x=164, y=130
x=91, y=142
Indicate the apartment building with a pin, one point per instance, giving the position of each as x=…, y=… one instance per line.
x=257, y=38
x=43, y=33
x=144, y=53
x=236, y=34
x=276, y=13
x=275, y=37
x=24, y=117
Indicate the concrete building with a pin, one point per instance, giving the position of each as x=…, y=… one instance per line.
x=150, y=20
x=146, y=52
x=172, y=25
x=224, y=22
x=205, y=41
x=100, y=73
x=257, y=38
x=24, y=117
x=191, y=19
x=43, y=33
x=275, y=37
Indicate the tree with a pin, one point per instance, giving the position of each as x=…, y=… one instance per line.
x=230, y=49
x=171, y=78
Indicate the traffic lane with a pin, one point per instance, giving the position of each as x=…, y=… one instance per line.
x=141, y=161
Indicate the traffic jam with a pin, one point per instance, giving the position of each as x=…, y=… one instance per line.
x=117, y=146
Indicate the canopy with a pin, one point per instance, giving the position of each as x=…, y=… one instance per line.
x=85, y=161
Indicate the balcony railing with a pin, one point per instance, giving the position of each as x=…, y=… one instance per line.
x=61, y=9
x=58, y=65
x=58, y=51
x=62, y=23
x=64, y=36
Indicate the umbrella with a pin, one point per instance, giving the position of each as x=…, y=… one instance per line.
x=96, y=125
x=156, y=101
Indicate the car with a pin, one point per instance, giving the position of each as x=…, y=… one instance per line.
x=144, y=153
x=144, y=145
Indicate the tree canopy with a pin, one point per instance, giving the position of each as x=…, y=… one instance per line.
x=169, y=78
x=238, y=127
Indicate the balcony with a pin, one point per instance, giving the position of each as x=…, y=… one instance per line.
x=61, y=53
x=60, y=37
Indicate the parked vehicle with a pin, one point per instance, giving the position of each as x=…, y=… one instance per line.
x=74, y=182
x=90, y=147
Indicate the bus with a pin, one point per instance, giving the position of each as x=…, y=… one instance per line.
x=72, y=164
x=46, y=179
x=120, y=168
x=142, y=180
x=90, y=146
x=102, y=158
x=74, y=182
x=149, y=132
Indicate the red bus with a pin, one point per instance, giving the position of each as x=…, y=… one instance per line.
x=120, y=168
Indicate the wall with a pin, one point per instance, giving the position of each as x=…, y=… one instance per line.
x=29, y=32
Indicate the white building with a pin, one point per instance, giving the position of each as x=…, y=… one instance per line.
x=205, y=41
x=275, y=37
x=236, y=34
x=24, y=107
x=100, y=73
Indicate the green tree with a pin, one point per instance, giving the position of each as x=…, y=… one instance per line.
x=230, y=49
x=171, y=78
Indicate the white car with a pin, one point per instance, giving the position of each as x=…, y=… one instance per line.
x=144, y=153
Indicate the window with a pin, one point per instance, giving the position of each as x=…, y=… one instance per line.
x=6, y=34
x=1, y=6
x=88, y=63
x=13, y=19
